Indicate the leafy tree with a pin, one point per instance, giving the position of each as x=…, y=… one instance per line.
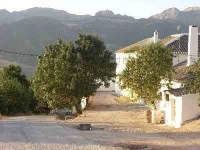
x=41, y=106
x=68, y=71
x=15, y=72
x=55, y=75
x=144, y=73
x=192, y=82
x=16, y=95
x=96, y=65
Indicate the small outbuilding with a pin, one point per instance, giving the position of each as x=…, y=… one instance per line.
x=179, y=106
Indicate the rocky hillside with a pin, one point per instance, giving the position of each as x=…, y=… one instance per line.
x=188, y=16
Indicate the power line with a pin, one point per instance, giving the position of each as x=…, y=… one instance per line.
x=18, y=53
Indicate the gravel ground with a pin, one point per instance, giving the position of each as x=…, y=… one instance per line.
x=116, y=127
x=40, y=132
x=129, y=121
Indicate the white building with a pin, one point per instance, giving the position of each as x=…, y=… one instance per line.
x=123, y=55
x=176, y=103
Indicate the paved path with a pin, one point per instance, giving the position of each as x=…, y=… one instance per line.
x=24, y=133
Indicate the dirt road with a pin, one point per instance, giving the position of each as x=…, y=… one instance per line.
x=116, y=126
x=125, y=123
x=43, y=133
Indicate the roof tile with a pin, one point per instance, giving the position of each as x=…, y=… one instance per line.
x=181, y=70
x=177, y=92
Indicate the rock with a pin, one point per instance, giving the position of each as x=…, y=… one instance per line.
x=105, y=13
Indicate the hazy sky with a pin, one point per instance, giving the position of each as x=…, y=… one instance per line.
x=135, y=8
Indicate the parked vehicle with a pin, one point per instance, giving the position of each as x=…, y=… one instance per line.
x=65, y=111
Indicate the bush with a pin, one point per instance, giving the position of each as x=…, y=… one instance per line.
x=16, y=95
x=15, y=98
x=42, y=107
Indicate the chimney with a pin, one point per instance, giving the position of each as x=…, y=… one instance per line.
x=155, y=37
x=192, y=45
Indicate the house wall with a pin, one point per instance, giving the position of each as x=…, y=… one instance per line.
x=121, y=59
x=190, y=107
x=178, y=112
x=186, y=108
x=179, y=59
x=162, y=103
x=173, y=111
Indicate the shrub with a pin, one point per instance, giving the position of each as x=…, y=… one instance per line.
x=15, y=98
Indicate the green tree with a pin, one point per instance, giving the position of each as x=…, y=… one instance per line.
x=15, y=72
x=192, y=82
x=55, y=75
x=143, y=73
x=67, y=72
x=95, y=63
x=15, y=94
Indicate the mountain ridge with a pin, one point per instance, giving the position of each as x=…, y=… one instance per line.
x=188, y=16
x=28, y=31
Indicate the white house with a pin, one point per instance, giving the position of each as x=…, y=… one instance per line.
x=122, y=56
x=178, y=105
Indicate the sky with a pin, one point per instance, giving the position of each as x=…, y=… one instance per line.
x=135, y=8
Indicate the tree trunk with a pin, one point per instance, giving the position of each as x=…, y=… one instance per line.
x=78, y=109
x=87, y=102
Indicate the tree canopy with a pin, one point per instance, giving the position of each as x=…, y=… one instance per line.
x=143, y=73
x=16, y=95
x=13, y=71
x=192, y=82
x=69, y=71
